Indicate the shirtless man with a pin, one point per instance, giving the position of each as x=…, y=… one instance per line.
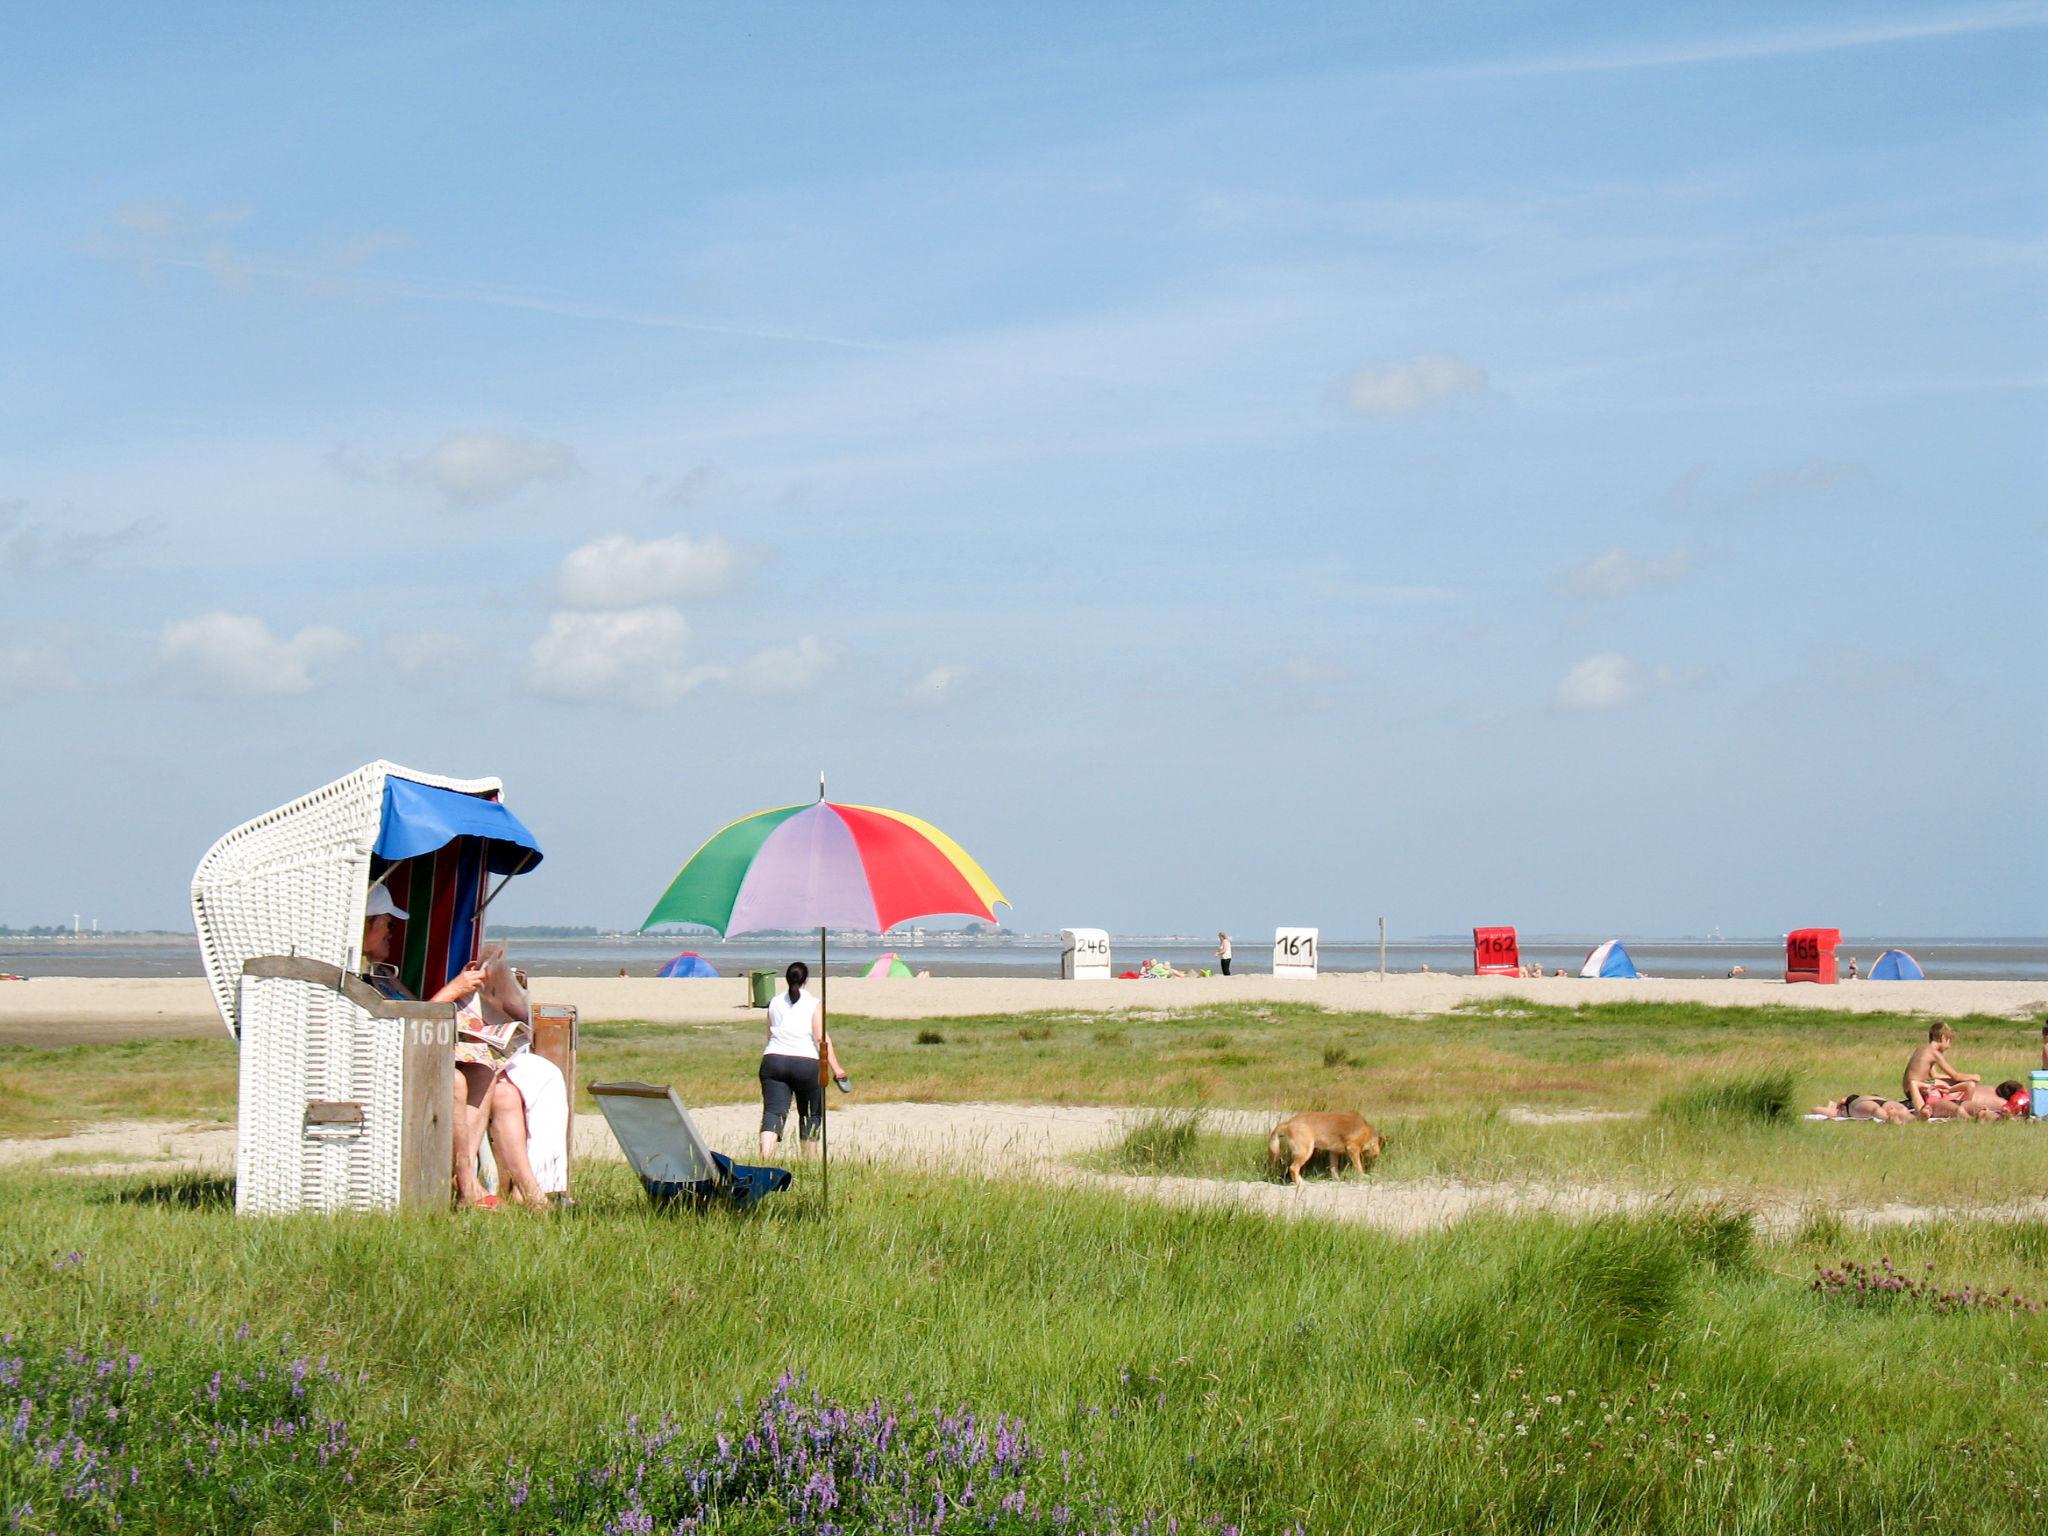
x=1928, y=1074
x=1980, y=1103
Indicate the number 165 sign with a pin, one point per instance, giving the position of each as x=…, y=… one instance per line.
x=1294, y=951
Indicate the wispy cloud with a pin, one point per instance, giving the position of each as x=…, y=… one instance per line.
x=33, y=543
x=237, y=653
x=619, y=571
x=468, y=469
x=1618, y=572
x=637, y=658
x=1779, y=43
x=1609, y=681
x=1426, y=382
x=153, y=236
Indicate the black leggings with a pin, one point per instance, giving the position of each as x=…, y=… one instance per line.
x=784, y=1077
x=1224, y=960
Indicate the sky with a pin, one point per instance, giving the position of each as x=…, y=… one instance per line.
x=1230, y=466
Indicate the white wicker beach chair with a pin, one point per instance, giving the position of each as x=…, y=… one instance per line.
x=344, y=1095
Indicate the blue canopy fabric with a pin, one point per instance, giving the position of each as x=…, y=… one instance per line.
x=688, y=965
x=1897, y=965
x=419, y=818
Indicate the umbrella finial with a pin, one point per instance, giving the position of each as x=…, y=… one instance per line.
x=821, y=786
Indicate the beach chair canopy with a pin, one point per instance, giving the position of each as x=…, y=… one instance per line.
x=296, y=881
x=1897, y=965
x=668, y=1152
x=1609, y=960
x=689, y=965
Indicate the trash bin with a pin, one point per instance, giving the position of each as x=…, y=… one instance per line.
x=760, y=987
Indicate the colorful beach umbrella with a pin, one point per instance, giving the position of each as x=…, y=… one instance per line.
x=826, y=865
x=687, y=965
x=889, y=965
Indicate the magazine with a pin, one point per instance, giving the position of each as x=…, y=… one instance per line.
x=498, y=1012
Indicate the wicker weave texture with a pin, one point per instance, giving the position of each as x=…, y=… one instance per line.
x=296, y=882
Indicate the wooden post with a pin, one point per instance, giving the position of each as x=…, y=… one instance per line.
x=1383, y=949
x=554, y=1036
x=427, y=1113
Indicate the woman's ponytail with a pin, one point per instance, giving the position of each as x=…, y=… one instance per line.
x=797, y=974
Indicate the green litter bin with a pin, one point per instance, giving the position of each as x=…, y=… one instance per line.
x=760, y=987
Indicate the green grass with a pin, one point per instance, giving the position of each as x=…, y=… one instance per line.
x=1437, y=1085
x=1162, y=1141
x=1670, y=1374
x=1751, y=1098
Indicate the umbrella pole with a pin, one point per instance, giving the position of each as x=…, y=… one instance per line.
x=824, y=1108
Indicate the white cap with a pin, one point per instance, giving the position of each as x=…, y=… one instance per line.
x=381, y=905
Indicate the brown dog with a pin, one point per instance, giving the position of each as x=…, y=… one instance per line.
x=1344, y=1135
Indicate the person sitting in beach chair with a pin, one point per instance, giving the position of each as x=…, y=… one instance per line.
x=483, y=1092
x=670, y=1155
x=1929, y=1077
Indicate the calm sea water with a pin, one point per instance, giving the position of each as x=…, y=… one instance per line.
x=1952, y=958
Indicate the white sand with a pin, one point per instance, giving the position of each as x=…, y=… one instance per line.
x=65, y=1009
x=1039, y=1142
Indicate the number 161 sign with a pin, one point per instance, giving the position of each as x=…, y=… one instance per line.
x=1294, y=952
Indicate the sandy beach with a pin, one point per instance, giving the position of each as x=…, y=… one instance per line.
x=63, y=1010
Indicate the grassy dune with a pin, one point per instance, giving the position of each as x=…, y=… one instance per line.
x=1667, y=1374
x=1437, y=1086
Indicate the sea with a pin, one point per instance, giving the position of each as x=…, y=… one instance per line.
x=944, y=954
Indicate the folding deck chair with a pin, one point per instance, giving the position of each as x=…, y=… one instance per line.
x=663, y=1144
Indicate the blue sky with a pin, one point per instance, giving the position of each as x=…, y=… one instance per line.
x=1229, y=466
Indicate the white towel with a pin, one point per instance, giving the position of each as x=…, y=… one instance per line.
x=541, y=1085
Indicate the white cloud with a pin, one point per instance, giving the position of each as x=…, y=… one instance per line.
x=638, y=657
x=1610, y=681
x=938, y=686
x=237, y=653
x=1808, y=479
x=1826, y=37
x=618, y=571
x=1423, y=383
x=1618, y=572
x=34, y=667
x=29, y=543
x=430, y=653
x=784, y=671
x=480, y=469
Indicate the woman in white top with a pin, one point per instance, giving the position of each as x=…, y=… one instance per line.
x=1223, y=952
x=790, y=1062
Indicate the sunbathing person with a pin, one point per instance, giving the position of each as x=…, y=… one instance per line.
x=2004, y=1102
x=1929, y=1076
x=1864, y=1106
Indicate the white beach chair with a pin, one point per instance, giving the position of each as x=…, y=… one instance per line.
x=345, y=1096
x=669, y=1153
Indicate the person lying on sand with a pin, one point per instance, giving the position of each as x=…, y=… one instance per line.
x=1864, y=1106
x=1928, y=1074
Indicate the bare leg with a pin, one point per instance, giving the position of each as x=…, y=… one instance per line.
x=768, y=1141
x=508, y=1144
x=472, y=1093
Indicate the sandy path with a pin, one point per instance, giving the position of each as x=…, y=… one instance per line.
x=1040, y=1141
x=51, y=1010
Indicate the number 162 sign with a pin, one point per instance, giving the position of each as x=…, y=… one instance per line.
x=1294, y=951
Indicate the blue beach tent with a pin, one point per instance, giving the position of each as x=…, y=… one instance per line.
x=1896, y=965
x=689, y=965
x=1610, y=961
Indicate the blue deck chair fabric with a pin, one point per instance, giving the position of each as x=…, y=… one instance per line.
x=739, y=1185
